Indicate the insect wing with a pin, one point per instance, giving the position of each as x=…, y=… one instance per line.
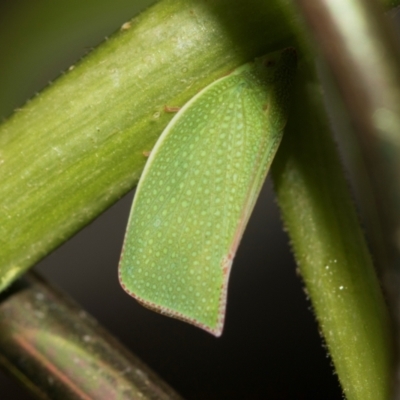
x=196, y=194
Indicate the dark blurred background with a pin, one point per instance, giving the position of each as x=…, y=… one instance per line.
x=270, y=348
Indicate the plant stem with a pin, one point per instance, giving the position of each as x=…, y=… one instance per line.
x=330, y=248
x=77, y=147
x=58, y=351
x=369, y=83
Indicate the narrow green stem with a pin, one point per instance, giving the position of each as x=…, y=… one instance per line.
x=330, y=248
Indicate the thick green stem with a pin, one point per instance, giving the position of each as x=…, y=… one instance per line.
x=76, y=148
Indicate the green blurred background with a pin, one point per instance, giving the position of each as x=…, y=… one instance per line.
x=270, y=348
